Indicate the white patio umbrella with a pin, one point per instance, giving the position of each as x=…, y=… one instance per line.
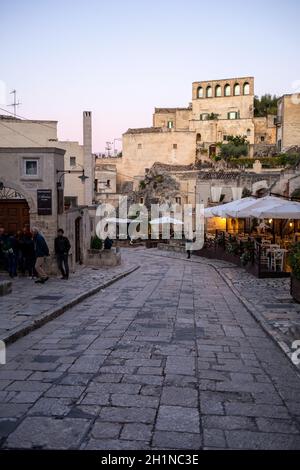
x=264, y=203
x=232, y=207
x=208, y=212
x=287, y=210
x=166, y=220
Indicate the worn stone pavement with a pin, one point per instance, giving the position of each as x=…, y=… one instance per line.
x=166, y=358
x=272, y=301
x=269, y=300
x=29, y=301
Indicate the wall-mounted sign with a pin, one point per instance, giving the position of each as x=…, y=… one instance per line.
x=44, y=201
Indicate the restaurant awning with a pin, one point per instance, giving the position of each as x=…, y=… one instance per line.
x=288, y=210
x=208, y=213
x=262, y=204
x=265, y=207
x=226, y=210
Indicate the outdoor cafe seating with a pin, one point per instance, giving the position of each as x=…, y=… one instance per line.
x=263, y=232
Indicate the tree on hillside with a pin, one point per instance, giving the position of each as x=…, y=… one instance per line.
x=266, y=104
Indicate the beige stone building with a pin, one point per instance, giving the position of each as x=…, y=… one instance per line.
x=288, y=122
x=106, y=183
x=34, y=167
x=220, y=109
x=265, y=131
x=39, y=133
x=29, y=194
x=185, y=136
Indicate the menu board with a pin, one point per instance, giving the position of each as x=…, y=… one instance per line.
x=44, y=201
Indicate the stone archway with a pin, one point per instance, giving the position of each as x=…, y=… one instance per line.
x=260, y=188
x=15, y=207
x=11, y=185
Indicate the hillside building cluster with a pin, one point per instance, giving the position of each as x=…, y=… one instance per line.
x=54, y=183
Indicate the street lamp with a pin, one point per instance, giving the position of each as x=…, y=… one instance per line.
x=82, y=176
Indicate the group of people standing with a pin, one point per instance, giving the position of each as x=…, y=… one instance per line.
x=25, y=252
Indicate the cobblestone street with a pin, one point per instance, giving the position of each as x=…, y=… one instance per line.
x=165, y=358
x=30, y=302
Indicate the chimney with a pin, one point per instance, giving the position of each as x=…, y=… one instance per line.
x=88, y=158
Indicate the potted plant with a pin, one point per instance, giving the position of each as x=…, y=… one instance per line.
x=294, y=261
x=96, y=243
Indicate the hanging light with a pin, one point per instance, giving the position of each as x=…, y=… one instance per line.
x=82, y=177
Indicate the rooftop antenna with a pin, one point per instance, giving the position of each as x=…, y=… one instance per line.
x=16, y=103
x=108, y=148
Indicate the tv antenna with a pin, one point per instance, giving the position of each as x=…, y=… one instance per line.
x=108, y=148
x=16, y=103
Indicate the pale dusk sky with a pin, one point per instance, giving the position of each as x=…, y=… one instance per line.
x=120, y=59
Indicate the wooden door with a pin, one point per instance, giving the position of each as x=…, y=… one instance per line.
x=14, y=214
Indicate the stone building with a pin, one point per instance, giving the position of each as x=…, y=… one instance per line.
x=39, y=133
x=185, y=136
x=211, y=185
x=288, y=122
x=34, y=168
x=264, y=136
x=30, y=194
x=106, y=183
x=221, y=108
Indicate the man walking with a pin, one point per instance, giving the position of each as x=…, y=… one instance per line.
x=188, y=244
x=62, y=247
x=41, y=251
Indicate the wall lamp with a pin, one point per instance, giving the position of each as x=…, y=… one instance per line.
x=82, y=176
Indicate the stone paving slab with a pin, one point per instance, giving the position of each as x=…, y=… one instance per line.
x=174, y=360
x=268, y=300
x=31, y=305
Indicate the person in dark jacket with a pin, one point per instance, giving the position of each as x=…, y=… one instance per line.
x=13, y=255
x=3, y=255
x=62, y=247
x=41, y=251
x=108, y=243
x=188, y=246
x=28, y=253
x=20, y=252
x=9, y=253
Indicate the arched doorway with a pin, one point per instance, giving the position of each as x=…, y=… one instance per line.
x=14, y=210
x=212, y=150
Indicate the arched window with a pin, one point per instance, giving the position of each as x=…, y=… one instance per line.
x=246, y=89
x=227, y=90
x=209, y=92
x=198, y=138
x=218, y=90
x=200, y=92
x=237, y=90
x=248, y=132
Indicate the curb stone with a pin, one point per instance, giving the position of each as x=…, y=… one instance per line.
x=49, y=315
